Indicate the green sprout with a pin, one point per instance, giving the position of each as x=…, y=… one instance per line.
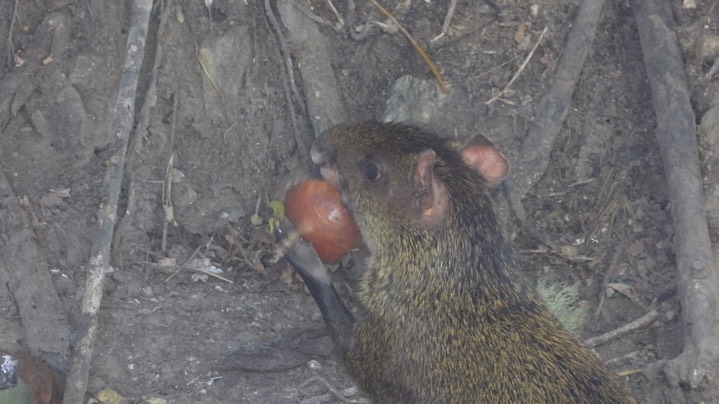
x=562, y=301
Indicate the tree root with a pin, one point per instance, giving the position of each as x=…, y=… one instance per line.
x=698, y=364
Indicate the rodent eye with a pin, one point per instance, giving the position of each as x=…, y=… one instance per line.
x=371, y=172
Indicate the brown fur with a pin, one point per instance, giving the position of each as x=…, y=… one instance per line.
x=446, y=317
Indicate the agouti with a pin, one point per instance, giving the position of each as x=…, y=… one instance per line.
x=445, y=315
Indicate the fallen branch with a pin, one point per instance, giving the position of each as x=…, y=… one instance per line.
x=552, y=107
x=99, y=262
x=698, y=364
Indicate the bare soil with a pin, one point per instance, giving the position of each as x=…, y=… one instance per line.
x=219, y=104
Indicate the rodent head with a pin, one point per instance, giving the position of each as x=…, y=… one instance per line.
x=405, y=185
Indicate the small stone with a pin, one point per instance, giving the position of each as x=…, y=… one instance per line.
x=534, y=10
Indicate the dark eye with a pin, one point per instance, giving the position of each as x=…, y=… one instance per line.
x=371, y=172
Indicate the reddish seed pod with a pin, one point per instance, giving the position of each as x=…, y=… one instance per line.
x=315, y=209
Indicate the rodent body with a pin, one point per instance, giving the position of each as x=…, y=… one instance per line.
x=445, y=314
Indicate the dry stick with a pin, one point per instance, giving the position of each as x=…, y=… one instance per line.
x=204, y=70
x=212, y=274
x=552, y=107
x=627, y=357
x=698, y=364
x=340, y=22
x=629, y=372
x=422, y=54
x=642, y=321
x=10, y=44
x=167, y=186
x=99, y=262
x=168, y=210
x=521, y=68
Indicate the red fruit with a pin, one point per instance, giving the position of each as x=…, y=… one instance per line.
x=316, y=210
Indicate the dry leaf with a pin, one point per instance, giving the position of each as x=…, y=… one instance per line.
x=636, y=248
x=569, y=251
x=519, y=34
x=18, y=60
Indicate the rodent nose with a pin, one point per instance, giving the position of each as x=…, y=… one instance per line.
x=319, y=153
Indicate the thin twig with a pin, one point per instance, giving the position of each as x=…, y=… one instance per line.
x=169, y=212
x=521, y=68
x=167, y=209
x=418, y=48
x=641, y=322
x=214, y=275
x=447, y=21
x=629, y=356
x=340, y=22
x=10, y=44
x=184, y=265
x=192, y=256
x=204, y=70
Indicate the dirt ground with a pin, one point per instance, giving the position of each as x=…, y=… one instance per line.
x=220, y=103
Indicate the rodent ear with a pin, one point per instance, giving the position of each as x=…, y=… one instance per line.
x=481, y=155
x=430, y=194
